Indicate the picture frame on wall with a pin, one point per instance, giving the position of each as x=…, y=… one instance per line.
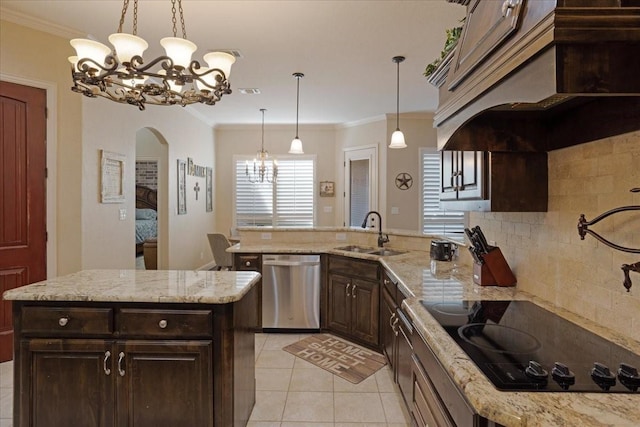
x=182, y=187
x=112, y=177
x=209, y=189
x=327, y=189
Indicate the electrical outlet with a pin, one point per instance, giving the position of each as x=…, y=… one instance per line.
x=395, y=210
x=341, y=236
x=123, y=214
x=328, y=209
x=265, y=236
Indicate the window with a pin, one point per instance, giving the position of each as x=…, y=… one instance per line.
x=434, y=219
x=288, y=203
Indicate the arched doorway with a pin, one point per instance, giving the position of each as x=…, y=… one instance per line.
x=152, y=155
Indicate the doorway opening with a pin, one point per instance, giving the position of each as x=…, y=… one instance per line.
x=360, y=184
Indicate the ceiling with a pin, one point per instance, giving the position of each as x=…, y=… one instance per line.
x=344, y=48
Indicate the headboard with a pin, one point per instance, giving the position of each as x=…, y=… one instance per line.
x=146, y=198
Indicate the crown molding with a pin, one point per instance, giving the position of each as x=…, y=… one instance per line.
x=38, y=24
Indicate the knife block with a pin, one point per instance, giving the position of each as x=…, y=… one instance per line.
x=494, y=271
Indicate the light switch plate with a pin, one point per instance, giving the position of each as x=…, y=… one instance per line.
x=328, y=209
x=123, y=214
x=265, y=236
x=395, y=210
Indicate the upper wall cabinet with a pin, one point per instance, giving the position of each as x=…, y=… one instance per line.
x=538, y=75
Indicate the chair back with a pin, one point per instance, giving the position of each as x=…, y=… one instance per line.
x=219, y=244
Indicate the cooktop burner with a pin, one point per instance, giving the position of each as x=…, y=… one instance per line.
x=521, y=346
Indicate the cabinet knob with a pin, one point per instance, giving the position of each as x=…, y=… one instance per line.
x=386, y=281
x=248, y=263
x=162, y=324
x=63, y=321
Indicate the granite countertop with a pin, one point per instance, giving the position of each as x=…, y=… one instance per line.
x=154, y=286
x=419, y=278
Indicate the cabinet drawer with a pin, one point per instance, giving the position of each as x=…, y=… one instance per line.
x=428, y=409
x=354, y=267
x=61, y=321
x=248, y=262
x=164, y=323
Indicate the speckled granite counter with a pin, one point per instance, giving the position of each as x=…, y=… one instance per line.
x=421, y=279
x=168, y=286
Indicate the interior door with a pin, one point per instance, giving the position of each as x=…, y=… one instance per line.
x=360, y=184
x=22, y=196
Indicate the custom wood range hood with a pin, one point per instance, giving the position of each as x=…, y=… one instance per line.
x=538, y=75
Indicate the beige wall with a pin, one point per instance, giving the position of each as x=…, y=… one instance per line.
x=41, y=59
x=88, y=234
x=246, y=140
x=545, y=250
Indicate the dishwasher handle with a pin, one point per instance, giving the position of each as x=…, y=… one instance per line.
x=289, y=263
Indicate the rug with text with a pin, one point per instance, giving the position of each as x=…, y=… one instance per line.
x=338, y=356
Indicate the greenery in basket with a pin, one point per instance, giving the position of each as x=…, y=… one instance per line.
x=453, y=34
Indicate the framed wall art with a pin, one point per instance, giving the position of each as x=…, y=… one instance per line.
x=182, y=187
x=327, y=189
x=209, y=189
x=112, y=177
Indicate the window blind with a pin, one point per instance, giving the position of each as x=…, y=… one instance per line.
x=290, y=202
x=434, y=219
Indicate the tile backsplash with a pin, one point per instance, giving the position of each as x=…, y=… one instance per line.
x=546, y=252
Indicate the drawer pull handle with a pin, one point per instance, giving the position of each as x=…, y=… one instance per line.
x=63, y=321
x=393, y=315
x=107, y=355
x=348, y=286
x=162, y=324
x=395, y=326
x=353, y=291
x=120, y=359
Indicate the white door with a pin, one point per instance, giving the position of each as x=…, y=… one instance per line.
x=360, y=184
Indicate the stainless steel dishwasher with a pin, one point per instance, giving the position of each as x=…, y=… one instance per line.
x=290, y=292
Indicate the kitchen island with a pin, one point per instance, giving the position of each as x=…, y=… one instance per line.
x=128, y=347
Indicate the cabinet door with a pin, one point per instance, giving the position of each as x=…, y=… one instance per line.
x=70, y=383
x=165, y=383
x=365, y=310
x=470, y=174
x=387, y=334
x=405, y=350
x=448, y=175
x=339, y=303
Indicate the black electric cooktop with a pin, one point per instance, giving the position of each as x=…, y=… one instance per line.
x=520, y=346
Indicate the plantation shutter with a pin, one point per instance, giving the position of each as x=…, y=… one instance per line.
x=289, y=202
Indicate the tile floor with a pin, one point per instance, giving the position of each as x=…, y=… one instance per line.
x=294, y=393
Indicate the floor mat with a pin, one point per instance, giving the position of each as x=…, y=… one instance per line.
x=338, y=356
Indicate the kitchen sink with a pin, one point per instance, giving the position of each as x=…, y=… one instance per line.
x=370, y=251
x=354, y=248
x=384, y=252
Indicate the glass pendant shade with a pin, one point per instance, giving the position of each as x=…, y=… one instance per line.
x=179, y=50
x=91, y=49
x=296, y=146
x=397, y=140
x=74, y=62
x=127, y=46
x=220, y=60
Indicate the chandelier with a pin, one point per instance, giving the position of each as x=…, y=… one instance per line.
x=122, y=75
x=260, y=167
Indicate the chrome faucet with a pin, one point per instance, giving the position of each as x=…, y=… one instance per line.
x=382, y=239
x=626, y=268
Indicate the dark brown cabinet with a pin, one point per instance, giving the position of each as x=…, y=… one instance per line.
x=100, y=364
x=354, y=299
x=462, y=175
x=494, y=182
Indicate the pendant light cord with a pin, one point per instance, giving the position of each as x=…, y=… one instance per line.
x=298, y=76
x=263, y=110
x=398, y=60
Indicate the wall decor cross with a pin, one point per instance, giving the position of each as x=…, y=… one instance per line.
x=196, y=189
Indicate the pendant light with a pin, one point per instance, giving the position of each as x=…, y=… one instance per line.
x=260, y=167
x=296, y=144
x=397, y=137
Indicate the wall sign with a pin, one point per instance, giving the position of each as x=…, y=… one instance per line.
x=404, y=181
x=182, y=187
x=112, y=177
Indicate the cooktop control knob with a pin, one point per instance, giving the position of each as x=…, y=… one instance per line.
x=602, y=376
x=562, y=375
x=628, y=376
x=536, y=372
